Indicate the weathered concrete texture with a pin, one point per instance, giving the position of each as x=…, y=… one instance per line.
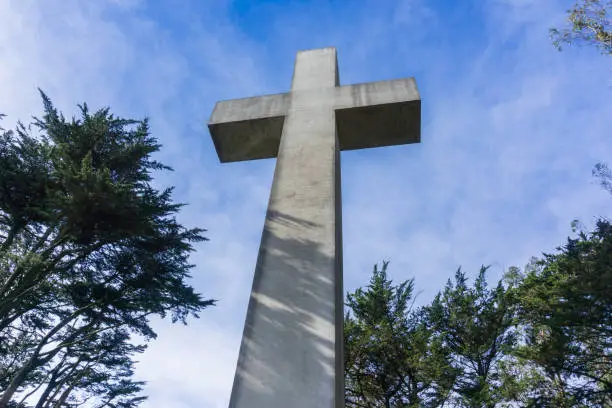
x=291, y=353
x=249, y=128
x=373, y=114
x=377, y=114
x=287, y=358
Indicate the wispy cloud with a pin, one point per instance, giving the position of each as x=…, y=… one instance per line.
x=511, y=130
x=117, y=54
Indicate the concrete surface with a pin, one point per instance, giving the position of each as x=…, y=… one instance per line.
x=292, y=348
x=250, y=128
x=374, y=114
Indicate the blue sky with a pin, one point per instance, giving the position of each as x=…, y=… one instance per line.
x=511, y=130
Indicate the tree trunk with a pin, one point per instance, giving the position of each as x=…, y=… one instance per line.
x=64, y=396
x=50, y=385
x=53, y=383
x=31, y=362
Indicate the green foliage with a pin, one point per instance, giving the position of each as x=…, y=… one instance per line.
x=565, y=305
x=541, y=337
x=390, y=358
x=88, y=251
x=588, y=24
x=541, y=340
x=474, y=325
x=604, y=175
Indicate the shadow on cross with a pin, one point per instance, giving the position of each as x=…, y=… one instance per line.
x=288, y=220
x=287, y=355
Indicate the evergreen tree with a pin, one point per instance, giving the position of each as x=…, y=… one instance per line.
x=474, y=326
x=390, y=358
x=88, y=249
x=565, y=310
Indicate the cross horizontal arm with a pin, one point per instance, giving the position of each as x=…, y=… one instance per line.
x=372, y=114
x=377, y=114
x=249, y=128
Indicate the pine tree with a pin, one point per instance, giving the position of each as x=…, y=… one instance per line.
x=390, y=358
x=474, y=326
x=565, y=308
x=88, y=249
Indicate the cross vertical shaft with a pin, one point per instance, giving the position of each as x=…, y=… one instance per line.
x=291, y=353
x=292, y=347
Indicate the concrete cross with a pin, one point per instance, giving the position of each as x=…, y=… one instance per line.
x=292, y=346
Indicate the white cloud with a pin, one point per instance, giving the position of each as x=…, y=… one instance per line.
x=75, y=53
x=190, y=365
x=511, y=129
x=514, y=129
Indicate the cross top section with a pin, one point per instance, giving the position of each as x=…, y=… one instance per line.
x=373, y=114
